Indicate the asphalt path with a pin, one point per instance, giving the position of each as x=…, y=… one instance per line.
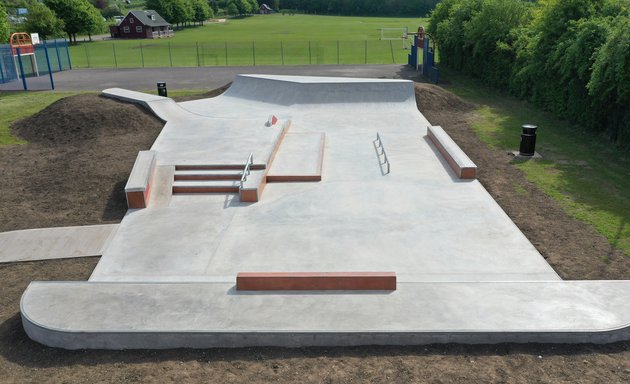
x=142, y=79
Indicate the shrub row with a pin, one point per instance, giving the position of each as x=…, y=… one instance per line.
x=570, y=56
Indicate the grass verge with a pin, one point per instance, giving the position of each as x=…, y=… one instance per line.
x=581, y=170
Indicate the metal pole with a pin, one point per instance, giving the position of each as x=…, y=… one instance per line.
x=19, y=57
x=282, y=52
x=337, y=51
x=226, y=54
x=52, y=82
x=310, y=56
x=1, y=72
x=115, y=58
x=365, y=51
x=198, y=63
x=391, y=48
x=254, y=52
x=67, y=52
x=87, y=56
x=170, y=56
x=58, y=58
x=142, y=55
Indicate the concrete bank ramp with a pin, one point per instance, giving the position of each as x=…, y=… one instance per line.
x=202, y=315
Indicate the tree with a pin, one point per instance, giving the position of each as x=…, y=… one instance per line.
x=232, y=9
x=77, y=15
x=201, y=10
x=42, y=20
x=254, y=7
x=4, y=24
x=163, y=7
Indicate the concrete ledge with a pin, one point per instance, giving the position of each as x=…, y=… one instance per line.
x=77, y=315
x=138, y=185
x=461, y=164
x=312, y=281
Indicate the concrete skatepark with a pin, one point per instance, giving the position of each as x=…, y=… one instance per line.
x=342, y=201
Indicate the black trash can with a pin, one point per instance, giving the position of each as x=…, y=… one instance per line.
x=528, y=140
x=161, y=86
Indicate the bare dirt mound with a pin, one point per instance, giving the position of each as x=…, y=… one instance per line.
x=435, y=99
x=73, y=171
x=76, y=119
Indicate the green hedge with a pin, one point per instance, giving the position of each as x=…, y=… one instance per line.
x=570, y=56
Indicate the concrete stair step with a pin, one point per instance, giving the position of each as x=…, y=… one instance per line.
x=214, y=167
x=208, y=175
x=206, y=186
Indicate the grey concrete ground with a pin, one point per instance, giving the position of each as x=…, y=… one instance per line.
x=54, y=243
x=465, y=272
x=142, y=79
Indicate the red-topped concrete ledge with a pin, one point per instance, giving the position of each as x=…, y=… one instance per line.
x=315, y=281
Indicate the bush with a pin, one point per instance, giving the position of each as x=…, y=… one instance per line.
x=570, y=56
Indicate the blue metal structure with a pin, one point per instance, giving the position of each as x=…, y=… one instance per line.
x=50, y=56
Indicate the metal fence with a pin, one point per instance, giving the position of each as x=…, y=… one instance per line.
x=142, y=54
x=48, y=57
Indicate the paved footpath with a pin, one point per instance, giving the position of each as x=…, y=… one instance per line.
x=142, y=79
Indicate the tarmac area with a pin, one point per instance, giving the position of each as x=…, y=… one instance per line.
x=142, y=79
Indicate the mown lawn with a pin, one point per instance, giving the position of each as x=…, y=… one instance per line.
x=588, y=176
x=257, y=40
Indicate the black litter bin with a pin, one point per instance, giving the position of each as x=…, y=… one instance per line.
x=528, y=140
x=161, y=86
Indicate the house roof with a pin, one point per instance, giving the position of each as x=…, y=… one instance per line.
x=145, y=18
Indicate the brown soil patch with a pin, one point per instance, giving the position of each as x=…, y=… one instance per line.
x=74, y=173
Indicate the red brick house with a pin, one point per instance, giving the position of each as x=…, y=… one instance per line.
x=142, y=25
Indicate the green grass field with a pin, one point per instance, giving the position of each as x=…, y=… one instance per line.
x=583, y=172
x=257, y=40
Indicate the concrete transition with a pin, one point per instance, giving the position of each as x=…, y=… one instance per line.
x=348, y=218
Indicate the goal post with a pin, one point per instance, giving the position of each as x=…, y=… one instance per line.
x=394, y=34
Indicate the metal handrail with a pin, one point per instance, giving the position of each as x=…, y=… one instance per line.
x=246, y=170
x=385, y=158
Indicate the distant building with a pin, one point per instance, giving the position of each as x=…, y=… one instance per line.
x=265, y=10
x=142, y=25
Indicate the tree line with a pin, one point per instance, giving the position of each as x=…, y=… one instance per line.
x=406, y=8
x=571, y=57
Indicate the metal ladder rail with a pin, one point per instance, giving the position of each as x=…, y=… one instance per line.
x=385, y=158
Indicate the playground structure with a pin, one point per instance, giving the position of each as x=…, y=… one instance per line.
x=349, y=219
x=422, y=39
x=22, y=45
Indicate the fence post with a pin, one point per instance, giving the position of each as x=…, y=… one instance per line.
x=142, y=55
x=282, y=52
x=87, y=56
x=391, y=48
x=198, y=63
x=58, y=58
x=310, y=56
x=254, y=52
x=226, y=54
x=115, y=58
x=337, y=51
x=52, y=82
x=1, y=73
x=170, y=55
x=68, y=52
x=365, y=51
x=19, y=57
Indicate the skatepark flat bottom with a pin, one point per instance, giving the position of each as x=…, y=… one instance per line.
x=465, y=273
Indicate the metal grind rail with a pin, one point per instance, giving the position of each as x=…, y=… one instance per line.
x=379, y=144
x=246, y=169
